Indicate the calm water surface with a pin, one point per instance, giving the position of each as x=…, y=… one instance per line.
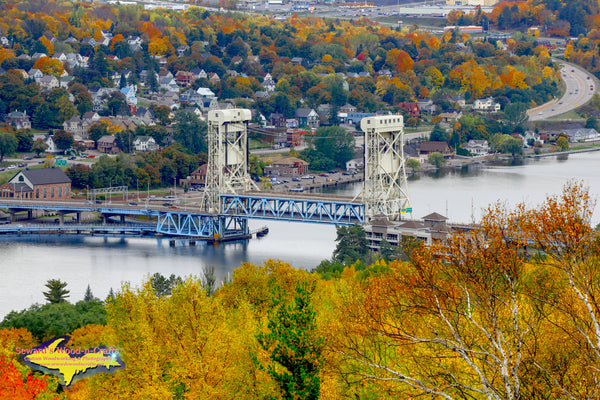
x=26, y=264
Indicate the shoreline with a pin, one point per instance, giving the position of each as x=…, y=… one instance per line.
x=492, y=158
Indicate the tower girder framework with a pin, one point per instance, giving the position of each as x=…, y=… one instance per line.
x=385, y=184
x=227, y=166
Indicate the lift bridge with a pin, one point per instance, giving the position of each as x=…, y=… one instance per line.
x=231, y=198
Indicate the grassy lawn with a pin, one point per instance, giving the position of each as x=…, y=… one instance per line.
x=571, y=115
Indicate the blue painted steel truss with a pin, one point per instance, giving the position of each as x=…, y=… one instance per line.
x=298, y=209
x=201, y=226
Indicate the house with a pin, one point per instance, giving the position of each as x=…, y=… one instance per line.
x=355, y=164
x=581, y=134
x=426, y=106
x=307, y=117
x=37, y=56
x=35, y=74
x=477, y=147
x=190, y=96
x=65, y=81
x=107, y=144
x=48, y=82
x=486, y=105
x=20, y=120
x=129, y=92
x=49, y=142
x=135, y=42
x=198, y=177
x=412, y=109
x=206, y=92
x=145, y=143
x=429, y=147
x=213, y=77
x=208, y=103
x=75, y=126
x=458, y=100
x=168, y=84
x=353, y=117
x=44, y=183
x=184, y=78
x=450, y=117
x=89, y=41
x=91, y=117
x=269, y=83
x=291, y=123
x=286, y=166
x=277, y=120
x=144, y=113
x=347, y=108
x=182, y=49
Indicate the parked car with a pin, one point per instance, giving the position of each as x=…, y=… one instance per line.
x=11, y=167
x=323, y=175
x=21, y=165
x=28, y=158
x=296, y=179
x=72, y=158
x=167, y=204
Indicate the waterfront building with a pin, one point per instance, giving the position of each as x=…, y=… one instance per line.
x=44, y=183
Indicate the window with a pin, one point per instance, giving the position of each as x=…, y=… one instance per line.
x=21, y=179
x=66, y=191
x=45, y=193
x=60, y=192
x=37, y=193
x=52, y=192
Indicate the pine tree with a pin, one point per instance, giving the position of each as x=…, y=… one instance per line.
x=56, y=291
x=88, y=295
x=294, y=343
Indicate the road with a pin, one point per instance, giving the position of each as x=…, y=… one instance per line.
x=580, y=87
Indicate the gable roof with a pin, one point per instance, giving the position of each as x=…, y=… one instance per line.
x=45, y=176
x=434, y=217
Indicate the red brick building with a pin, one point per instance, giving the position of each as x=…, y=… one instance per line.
x=286, y=166
x=44, y=183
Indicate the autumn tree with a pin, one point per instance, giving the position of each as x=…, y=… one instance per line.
x=450, y=324
x=562, y=143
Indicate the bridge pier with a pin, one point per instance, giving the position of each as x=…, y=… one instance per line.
x=122, y=219
x=61, y=218
x=78, y=216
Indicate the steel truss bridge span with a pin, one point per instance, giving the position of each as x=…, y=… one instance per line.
x=303, y=209
x=191, y=223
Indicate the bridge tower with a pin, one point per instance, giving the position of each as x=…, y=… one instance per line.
x=227, y=166
x=385, y=185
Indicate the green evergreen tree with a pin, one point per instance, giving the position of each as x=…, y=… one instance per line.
x=293, y=342
x=56, y=291
x=88, y=296
x=352, y=244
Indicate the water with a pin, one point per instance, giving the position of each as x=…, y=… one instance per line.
x=27, y=263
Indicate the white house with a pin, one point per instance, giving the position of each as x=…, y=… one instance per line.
x=477, y=147
x=144, y=143
x=486, y=105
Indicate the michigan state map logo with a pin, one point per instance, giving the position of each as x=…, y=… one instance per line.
x=70, y=364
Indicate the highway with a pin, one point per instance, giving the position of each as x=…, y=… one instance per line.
x=580, y=87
